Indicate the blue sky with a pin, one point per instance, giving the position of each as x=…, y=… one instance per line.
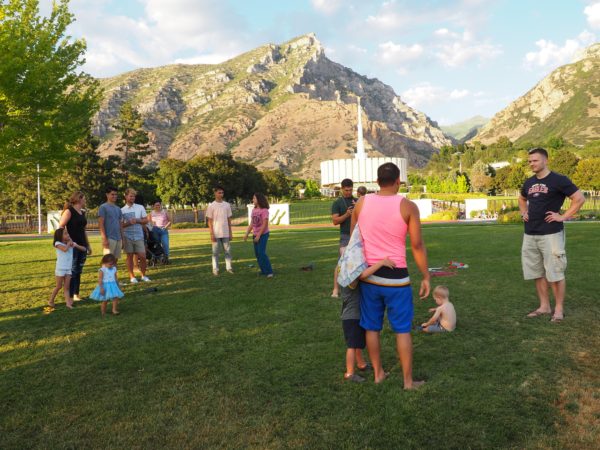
x=451, y=59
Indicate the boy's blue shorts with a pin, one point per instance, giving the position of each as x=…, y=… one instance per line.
x=375, y=300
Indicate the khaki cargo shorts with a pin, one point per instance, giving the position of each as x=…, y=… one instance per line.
x=130, y=246
x=544, y=256
x=114, y=247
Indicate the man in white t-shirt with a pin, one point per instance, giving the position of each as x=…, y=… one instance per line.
x=134, y=217
x=218, y=214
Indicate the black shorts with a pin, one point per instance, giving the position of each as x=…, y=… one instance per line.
x=353, y=333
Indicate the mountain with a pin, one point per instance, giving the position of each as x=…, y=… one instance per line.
x=278, y=106
x=566, y=103
x=465, y=130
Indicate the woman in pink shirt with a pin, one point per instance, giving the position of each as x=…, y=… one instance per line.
x=160, y=224
x=259, y=225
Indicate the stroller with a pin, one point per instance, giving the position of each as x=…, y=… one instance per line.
x=155, y=254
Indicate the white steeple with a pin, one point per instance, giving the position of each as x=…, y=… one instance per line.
x=360, y=146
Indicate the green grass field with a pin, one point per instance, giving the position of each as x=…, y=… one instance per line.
x=240, y=361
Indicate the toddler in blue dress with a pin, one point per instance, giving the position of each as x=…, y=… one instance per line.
x=108, y=286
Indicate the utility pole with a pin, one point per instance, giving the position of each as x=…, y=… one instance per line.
x=39, y=201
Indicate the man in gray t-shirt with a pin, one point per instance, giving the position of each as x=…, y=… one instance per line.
x=110, y=224
x=134, y=218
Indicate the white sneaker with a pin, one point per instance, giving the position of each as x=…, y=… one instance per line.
x=146, y=279
x=216, y=273
x=229, y=270
x=133, y=280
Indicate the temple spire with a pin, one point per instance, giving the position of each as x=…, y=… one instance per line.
x=360, y=146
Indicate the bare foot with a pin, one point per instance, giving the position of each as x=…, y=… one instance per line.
x=382, y=379
x=70, y=305
x=414, y=385
x=335, y=294
x=538, y=313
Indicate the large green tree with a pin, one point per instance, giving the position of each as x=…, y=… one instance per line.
x=90, y=174
x=563, y=162
x=587, y=175
x=132, y=146
x=46, y=103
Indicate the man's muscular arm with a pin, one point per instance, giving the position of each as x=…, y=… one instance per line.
x=411, y=216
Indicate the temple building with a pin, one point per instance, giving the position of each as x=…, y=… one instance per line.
x=360, y=169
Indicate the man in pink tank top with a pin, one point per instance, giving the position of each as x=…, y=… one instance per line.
x=385, y=219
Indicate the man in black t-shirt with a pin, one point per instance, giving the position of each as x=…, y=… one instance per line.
x=543, y=253
x=341, y=214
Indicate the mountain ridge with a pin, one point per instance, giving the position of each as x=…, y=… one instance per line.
x=564, y=103
x=281, y=106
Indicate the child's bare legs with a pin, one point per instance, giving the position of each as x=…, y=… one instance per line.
x=350, y=361
x=66, y=284
x=115, y=305
x=354, y=358
x=335, y=292
x=103, y=308
x=59, y=284
x=360, y=361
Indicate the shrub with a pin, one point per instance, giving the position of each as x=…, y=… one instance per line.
x=449, y=214
x=510, y=217
x=182, y=225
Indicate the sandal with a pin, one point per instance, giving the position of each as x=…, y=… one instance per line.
x=557, y=319
x=538, y=313
x=354, y=378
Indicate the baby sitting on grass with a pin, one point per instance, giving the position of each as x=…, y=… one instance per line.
x=444, y=317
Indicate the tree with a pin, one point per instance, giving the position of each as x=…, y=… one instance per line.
x=564, y=162
x=133, y=144
x=277, y=184
x=462, y=184
x=587, y=175
x=555, y=142
x=90, y=174
x=45, y=103
x=481, y=181
x=173, y=183
x=311, y=189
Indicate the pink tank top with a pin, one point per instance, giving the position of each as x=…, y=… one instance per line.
x=383, y=229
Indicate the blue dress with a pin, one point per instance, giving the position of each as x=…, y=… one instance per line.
x=109, y=282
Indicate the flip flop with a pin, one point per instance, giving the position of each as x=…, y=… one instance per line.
x=556, y=319
x=537, y=313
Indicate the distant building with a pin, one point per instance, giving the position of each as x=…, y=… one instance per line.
x=499, y=164
x=360, y=169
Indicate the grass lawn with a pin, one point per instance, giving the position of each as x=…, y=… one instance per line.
x=240, y=361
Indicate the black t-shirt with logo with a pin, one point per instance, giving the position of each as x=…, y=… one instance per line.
x=543, y=195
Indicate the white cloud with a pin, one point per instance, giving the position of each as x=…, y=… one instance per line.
x=214, y=58
x=398, y=54
x=550, y=55
x=455, y=94
x=356, y=49
x=390, y=18
x=456, y=49
x=181, y=31
x=593, y=14
x=428, y=94
x=327, y=7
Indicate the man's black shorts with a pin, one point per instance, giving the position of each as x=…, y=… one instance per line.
x=354, y=334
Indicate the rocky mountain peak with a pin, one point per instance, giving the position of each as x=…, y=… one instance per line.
x=565, y=103
x=281, y=106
